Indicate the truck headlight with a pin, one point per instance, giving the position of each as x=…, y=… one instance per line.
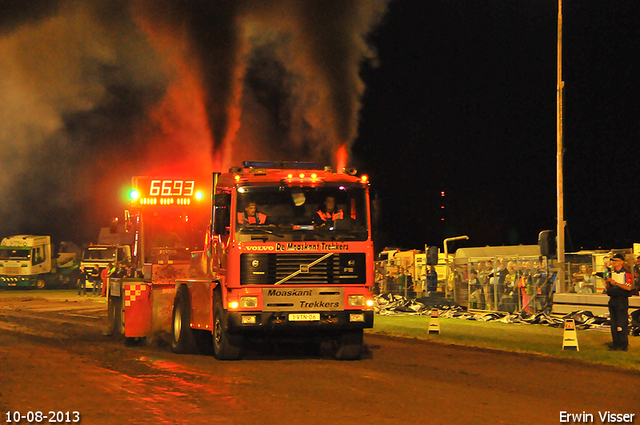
x=249, y=302
x=356, y=300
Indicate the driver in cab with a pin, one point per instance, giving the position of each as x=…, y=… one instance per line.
x=328, y=213
x=251, y=215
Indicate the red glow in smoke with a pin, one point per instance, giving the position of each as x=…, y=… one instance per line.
x=179, y=141
x=341, y=158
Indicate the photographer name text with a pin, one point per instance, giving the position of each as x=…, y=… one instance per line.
x=605, y=417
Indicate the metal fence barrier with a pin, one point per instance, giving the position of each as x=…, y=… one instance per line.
x=493, y=284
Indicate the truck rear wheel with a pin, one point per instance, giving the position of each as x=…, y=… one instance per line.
x=226, y=345
x=182, y=338
x=348, y=344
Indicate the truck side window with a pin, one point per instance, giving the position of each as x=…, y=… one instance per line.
x=121, y=256
x=38, y=255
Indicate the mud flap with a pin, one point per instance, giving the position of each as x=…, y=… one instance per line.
x=115, y=308
x=137, y=308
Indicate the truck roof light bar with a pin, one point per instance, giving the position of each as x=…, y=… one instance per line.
x=281, y=165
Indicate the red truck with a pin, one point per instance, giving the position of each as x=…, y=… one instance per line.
x=287, y=254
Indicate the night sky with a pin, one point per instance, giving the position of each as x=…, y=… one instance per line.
x=464, y=101
x=453, y=96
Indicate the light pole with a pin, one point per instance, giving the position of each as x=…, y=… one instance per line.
x=560, y=189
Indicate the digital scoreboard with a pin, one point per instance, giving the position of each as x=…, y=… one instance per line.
x=151, y=191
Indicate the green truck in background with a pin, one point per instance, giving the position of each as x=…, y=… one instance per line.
x=30, y=261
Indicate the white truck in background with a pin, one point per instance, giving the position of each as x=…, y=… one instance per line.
x=114, y=246
x=103, y=255
x=30, y=261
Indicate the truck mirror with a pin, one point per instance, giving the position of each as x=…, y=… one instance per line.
x=432, y=256
x=547, y=243
x=128, y=225
x=113, y=226
x=221, y=220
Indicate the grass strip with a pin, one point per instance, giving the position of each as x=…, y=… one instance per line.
x=522, y=338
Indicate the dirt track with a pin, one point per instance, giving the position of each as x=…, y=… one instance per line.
x=54, y=358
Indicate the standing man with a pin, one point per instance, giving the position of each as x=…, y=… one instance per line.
x=104, y=275
x=82, y=281
x=432, y=280
x=96, y=280
x=618, y=286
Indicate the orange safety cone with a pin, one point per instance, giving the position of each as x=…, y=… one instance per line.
x=570, y=340
x=434, y=322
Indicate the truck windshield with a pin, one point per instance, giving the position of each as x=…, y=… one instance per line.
x=15, y=254
x=99, y=254
x=174, y=235
x=301, y=213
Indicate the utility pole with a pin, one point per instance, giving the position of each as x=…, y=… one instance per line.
x=559, y=154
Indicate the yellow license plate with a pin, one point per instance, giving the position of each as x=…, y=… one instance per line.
x=304, y=317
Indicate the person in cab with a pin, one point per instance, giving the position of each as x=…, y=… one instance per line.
x=251, y=216
x=328, y=213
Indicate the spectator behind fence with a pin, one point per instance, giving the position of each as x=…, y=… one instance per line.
x=479, y=267
x=486, y=284
x=584, y=281
x=635, y=316
x=526, y=289
x=513, y=291
x=401, y=279
x=475, y=289
x=606, y=261
x=432, y=279
x=496, y=284
x=388, y=284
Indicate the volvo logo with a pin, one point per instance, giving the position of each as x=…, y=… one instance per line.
x=255, y=263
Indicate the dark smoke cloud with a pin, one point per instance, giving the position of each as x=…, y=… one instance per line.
x=73, y=86
x=95, y=91
x=301, y=63
x=14, y=13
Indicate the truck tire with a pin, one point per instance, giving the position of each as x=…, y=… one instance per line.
x=226, y=345
x=40, y=283
x=348, y=344
x=182, y=338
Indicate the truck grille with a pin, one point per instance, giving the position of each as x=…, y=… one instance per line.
x=12, y=271
x=294, y=269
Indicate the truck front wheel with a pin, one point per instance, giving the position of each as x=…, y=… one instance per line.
x=40, y=283
x=226, y=345
x=182, y=339
x=348, y=344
